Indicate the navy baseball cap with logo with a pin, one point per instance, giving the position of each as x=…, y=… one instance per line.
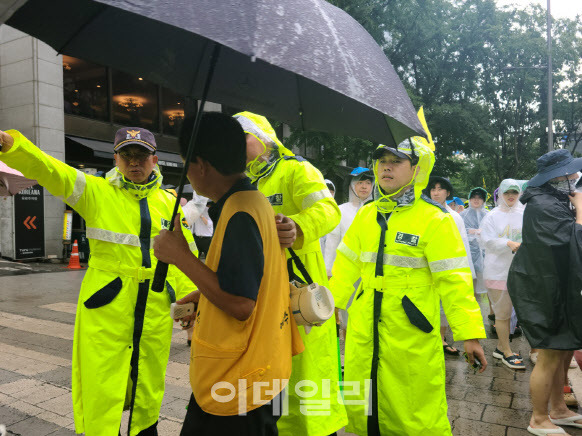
x=134, y=135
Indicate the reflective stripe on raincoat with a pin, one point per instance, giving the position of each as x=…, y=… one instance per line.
x=123, y=329
x=297, y=189
x=393, y=345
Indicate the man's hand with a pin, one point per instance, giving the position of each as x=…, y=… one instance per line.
x=514, y=246
x=188, y=321
x=171, y=247
x=287, y=230
x=474, y=231
x=6, y=140
x=473, y=349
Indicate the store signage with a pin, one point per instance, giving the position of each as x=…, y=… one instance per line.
x=29, y=223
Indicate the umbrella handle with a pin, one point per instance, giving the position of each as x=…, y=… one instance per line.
x=159, y=279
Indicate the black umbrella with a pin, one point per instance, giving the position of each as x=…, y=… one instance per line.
x=304, y=62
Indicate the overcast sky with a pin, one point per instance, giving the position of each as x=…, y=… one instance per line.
x=559, y=8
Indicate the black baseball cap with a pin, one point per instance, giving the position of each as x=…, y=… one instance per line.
x=134, y=135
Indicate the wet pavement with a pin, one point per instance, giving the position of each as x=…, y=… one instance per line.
x=10, y=268
x=37, y=313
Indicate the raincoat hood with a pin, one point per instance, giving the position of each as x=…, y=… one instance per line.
x=330, y=186
x=482, y=191
x=407, y=195
x=116, y=178
x=261, y=129
x=360, y=174
x=508, y=185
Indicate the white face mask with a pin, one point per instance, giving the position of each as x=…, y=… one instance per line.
x=565, y=186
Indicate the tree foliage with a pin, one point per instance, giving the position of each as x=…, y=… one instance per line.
x=480, y=73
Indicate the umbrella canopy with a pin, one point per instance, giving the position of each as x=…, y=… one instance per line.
x=303, y=62
x=12, y=181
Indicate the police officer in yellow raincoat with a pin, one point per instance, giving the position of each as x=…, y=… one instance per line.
x=123, y=329
x=298, y=193
x=394, y=361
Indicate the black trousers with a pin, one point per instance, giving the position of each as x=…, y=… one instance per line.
x=258, y=422
x=203, y=243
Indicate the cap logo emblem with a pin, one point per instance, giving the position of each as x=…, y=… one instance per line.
x=133, y=134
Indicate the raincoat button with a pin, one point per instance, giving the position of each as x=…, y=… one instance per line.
x=268, y=366
x=261, y=372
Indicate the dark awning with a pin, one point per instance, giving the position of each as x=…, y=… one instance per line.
x=105, y=150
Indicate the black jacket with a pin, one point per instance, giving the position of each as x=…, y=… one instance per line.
x=545, y=278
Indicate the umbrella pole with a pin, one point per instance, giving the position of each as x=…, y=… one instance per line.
x=162, y=267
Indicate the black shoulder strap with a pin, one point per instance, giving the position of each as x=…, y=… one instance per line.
x=300, y=266
x=383, y=222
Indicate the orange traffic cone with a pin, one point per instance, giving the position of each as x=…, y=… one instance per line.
x=74, y=260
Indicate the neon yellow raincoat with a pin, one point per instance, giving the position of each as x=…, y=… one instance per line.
x=123, y=329
x=394, y=361
x=296, y=189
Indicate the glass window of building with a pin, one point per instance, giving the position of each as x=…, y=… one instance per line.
x=85, y=89
x=172, y=112
x=135, y=101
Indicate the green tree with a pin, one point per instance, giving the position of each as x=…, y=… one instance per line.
x=469, y=63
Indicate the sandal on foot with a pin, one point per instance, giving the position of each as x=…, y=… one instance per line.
x=545, y=431
x=450, y=350
x=568, y=421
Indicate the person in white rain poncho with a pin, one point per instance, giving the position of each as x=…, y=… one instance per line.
x=501, y=238
x=360, y=192
x=331, y=188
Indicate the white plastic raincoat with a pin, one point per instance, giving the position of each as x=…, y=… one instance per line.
x=348, y=211
x=501, y=225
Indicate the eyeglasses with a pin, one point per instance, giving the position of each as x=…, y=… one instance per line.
x=140, y=157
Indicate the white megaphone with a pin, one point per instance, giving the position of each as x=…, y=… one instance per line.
x=311, y=305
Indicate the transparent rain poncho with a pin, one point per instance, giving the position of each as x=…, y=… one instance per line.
x=260, y=128
x=472, y=218
x=348, y=211
x=352, y=196
x=405, y=196
x=116, y=178
x=508, y=185
x=502, y=224
x=194, y=208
